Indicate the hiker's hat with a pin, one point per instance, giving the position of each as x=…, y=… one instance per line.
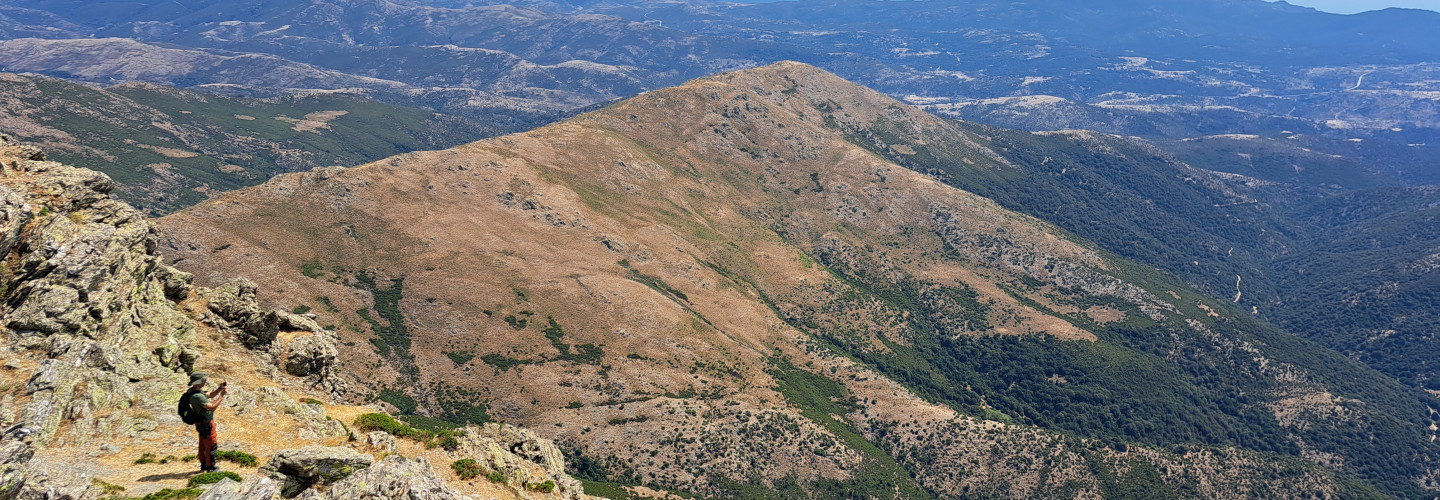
x=198, y=377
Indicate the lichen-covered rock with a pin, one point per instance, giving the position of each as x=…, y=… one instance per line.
x=380, y=442
x=15, y=454
x=521, y=455
x=234, y=302
x=46, y=480
x=301, y=468
x=84, y=299
x=393, y=478
x=313, y=356
x=14, y=215
x=310, y=354
x=297, y=323
x=177, y=283
x=252, y=488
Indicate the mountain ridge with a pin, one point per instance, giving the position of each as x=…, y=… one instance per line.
x=726, y=227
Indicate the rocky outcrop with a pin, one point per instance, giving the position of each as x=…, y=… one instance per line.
x=380, y=442
x=254, y=488
x=302, y=468
x=393, y=478
x=239, y=313
x=521, y=455
x=85, y=312
x=313, y=356
x=93, y=332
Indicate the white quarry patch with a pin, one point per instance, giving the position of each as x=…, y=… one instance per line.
x=1035, y=79
x=1339, y=124
x=276, y=30
x=1355, y=139
x=958, y=75
x=907, y=52
x=1024, y=100
x=923, y=100
x=590, y=66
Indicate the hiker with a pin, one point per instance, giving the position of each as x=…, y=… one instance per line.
x=201, y=412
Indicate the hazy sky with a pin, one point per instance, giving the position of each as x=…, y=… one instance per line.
x=1353, y=6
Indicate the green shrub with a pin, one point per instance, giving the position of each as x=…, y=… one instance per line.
x=301, y=309
x=146, y=458
x=312, y=401
x=403, y=401
x=239, y=457
x=211, y=478
x=169, y=494
x=545, y=487
x=107, y=488
x=382, y=422
x=312, y=268
x=466, y=468
x=495, y=477
x=459, y=358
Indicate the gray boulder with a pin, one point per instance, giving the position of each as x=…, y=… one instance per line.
x=380, y=442
x=177, y=283
x=393, y=478
x=253, y=488
x=49, y=480
x=310, y=355
x=234, y=302
x=299, y=469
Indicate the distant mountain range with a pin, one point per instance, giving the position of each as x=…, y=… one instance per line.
x=170, y=148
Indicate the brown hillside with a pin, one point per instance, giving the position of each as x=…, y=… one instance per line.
x=633, y=283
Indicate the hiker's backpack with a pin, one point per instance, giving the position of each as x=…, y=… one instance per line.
x=187, y=411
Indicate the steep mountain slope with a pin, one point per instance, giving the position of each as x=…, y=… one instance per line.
x=98, y=337
x=715, y=287
x=1245, y=238
x=169, y=148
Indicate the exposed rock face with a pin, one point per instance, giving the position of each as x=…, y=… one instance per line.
x=302, y=468
x=521, y=454
x=254, y=488
x=380, y=441
x=235, y=303
x=87, y=307
x=94, y=336
x=314, y=355
x=49, y=480
x=394, y=477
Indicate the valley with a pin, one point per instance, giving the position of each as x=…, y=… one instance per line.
x=170, y=148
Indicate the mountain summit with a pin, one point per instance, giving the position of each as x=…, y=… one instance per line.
x=714, y=287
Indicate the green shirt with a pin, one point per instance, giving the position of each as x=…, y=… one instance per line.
x=197, y=405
